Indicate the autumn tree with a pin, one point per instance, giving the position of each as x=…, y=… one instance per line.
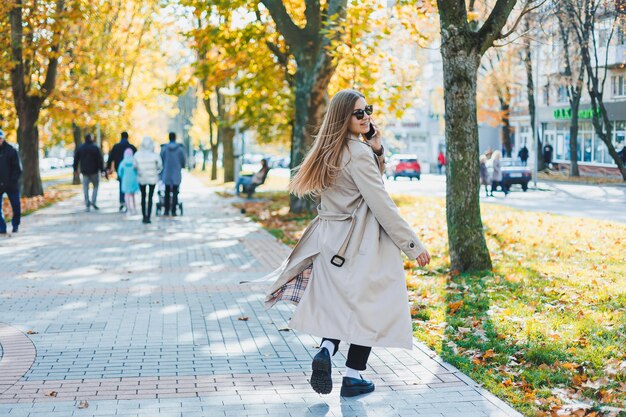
x=37, y=31
x=586, y=16
x=309, y=44
x=499, y=81
x=529, y=23
x=573, y=77
x=243, y=86
x=463, y=43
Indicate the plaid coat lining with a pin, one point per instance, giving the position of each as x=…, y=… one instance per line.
x=293, y=290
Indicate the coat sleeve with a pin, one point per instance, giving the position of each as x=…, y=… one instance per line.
x=111, y=157
x=381, y=163
x=159, y=164
x=100, y=161
x=368, y=181
x=16, y=168
x=76, y=158
x=183, y=156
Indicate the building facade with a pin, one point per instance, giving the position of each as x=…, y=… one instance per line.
x=553, y=112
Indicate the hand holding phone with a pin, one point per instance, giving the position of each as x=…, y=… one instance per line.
x=371, y=132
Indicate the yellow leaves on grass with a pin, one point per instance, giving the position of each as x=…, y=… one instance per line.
x=453, y=307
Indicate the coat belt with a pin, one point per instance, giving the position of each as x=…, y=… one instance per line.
x=339, y=259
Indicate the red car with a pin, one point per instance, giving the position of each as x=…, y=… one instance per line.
x=403, y=165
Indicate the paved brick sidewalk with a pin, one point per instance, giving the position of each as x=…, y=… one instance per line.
x=123, y=319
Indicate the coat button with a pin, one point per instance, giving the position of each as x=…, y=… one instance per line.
x=411, y=245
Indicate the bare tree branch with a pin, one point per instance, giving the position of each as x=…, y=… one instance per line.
x=527, y=9
x=490, y=30
x=283, y=59
x=291, y=32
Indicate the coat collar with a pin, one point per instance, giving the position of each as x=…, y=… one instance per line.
x=357, y=138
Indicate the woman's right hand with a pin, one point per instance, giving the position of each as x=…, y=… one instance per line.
x=423, y=258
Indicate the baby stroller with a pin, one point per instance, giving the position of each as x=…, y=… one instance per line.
x=160, y=205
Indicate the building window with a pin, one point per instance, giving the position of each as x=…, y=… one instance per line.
x=598, y=155
x=617, y=82
x=561, y=94
x=546, y=95
x=620, y=36
x=619, y=139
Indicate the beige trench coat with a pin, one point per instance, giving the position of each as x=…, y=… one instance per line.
x=365, y=300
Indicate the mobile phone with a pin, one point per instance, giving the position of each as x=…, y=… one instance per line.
x=370, y=133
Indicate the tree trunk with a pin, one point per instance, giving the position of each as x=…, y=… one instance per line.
x=573, y=138
x=530, y=91
x=214, y=156
x=311, y=103
x=212, y=121
x=28, y=139
x=468, y=248
x=506, y=128
x=604, y=129
x=78, y=140
x=228, y=157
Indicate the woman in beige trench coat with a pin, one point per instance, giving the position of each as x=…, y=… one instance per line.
x=346, y=273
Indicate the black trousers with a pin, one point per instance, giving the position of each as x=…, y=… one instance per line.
x=357, y=354
x=122, y=201
x=171, y=194
x=146, y=206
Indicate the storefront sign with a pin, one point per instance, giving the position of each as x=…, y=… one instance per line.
x=566, y=113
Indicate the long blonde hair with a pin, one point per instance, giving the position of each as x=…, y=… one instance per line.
x=323, y=162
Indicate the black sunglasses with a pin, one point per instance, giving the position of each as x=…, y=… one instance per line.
x=360, y=113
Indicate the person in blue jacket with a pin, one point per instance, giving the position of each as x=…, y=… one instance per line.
x=128, y=178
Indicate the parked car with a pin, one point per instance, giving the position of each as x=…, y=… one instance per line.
x=46, y=164
x=278, y=162
x=513, y=172
x=403, y=165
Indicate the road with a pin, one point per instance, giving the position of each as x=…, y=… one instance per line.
x=603, y=202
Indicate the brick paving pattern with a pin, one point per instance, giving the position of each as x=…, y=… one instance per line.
x=101, y=315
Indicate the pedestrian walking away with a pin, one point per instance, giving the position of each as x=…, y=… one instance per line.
x=484, y=174
x=89, y=158
x=523, y=155
x=174, y=160
x=10, y=171
x=441, y=162
x=128, y=179
x=496, y=174
x=115, y=158
x=346, y=273
x=148, y=165
x=547, y=155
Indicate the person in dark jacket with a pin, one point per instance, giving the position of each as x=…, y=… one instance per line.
x=10, y=171
x=523, y=155
x=89, y=157
x=173, y=156
x=547, y=155
x=115, y=157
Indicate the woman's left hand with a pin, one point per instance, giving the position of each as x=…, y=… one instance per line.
x=375, y=142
